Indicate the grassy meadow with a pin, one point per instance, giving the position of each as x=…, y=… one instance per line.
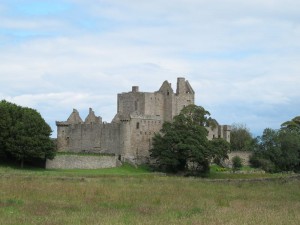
x=130, y=195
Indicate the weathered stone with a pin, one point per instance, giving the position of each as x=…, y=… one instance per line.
x=81, y=162
x=139, y=116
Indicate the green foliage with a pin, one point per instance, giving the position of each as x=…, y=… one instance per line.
x=183, y=143
x=292, y=125
x=237, y=163
x=24, y=134
x=219, y=149
x=240, y=138
x=278, y=150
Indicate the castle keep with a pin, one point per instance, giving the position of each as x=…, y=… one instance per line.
x=129, y=135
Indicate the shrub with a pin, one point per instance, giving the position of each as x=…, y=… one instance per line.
x=262, y=163
x=237, y=163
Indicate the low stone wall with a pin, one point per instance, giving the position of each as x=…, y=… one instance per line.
x=245, y=156
x=81, y=162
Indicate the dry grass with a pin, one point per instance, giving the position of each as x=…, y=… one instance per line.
x=52, y=200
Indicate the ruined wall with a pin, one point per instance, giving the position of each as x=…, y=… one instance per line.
x=245, y=156
x=130, y=102
x=184, y=96
x=168, y=101
x=136, y=137
x=220, y=131
x=142, y=131
x=93, y=137
x=154, y=104
x=81, y=162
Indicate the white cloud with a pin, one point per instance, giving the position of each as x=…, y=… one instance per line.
x=240, y=57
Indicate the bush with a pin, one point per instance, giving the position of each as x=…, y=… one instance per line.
x=264, y=164
x=237, y=163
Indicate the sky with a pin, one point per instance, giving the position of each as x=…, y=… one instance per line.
x=242, y=58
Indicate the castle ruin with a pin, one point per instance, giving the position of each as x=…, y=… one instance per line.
x=139, y=116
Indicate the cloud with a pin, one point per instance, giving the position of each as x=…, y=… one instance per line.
x=240, y=57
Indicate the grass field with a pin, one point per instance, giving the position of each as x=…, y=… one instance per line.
x=128, y=195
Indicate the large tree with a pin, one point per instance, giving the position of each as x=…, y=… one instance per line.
x=183, y=142
x=278, y=150
x=24, y=134
x=240, y=138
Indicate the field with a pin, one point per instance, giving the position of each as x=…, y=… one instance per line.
x=134, y=196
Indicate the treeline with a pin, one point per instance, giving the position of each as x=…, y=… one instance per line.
x=24, y=135
x=182, y=145
x=278, y=150
x=273, y=151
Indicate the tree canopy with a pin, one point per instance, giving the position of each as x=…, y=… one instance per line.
x=24, y=134
x=278, y=150
x=183, y=143
x=240, y=138
x=292, y=125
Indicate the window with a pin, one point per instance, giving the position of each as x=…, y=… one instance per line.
x=137, y=125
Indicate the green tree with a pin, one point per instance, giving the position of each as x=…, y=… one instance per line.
x=292, y=125
x=277, y=150
x=24, y=134
x=219, y=149
x=183, y=143
x=237, y=163
x=240, y=138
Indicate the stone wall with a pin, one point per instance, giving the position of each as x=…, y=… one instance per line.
x=89, y=137
x=81, y=162
x=245, y=156
x=220, y=131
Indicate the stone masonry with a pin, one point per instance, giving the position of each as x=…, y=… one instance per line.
x=129, y=135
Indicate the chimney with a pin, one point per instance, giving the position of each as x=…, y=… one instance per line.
x=180, y=85
x=135, y=88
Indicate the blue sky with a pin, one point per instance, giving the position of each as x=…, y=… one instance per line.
x=241, y=57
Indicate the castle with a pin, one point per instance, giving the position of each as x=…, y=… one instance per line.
x=139, y=116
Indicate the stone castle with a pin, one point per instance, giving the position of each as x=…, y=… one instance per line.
x=129, y=135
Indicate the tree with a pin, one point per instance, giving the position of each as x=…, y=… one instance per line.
x=219, y=149
x=237, y=163
x=277, y=150
x=240, y=138
x=292, y=125
x=24, y=134
x=183, y=143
